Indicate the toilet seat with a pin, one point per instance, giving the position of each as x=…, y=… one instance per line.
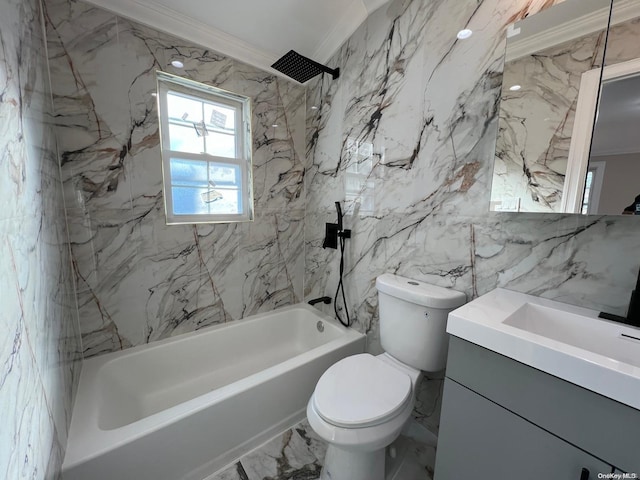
x=361, y=391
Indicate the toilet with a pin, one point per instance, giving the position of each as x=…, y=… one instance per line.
x=361, y=403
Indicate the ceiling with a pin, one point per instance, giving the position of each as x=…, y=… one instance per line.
x=257, y=32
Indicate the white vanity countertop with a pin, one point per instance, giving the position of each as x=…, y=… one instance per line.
x=566, y=341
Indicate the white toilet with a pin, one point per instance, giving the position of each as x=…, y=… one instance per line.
x=361, y=403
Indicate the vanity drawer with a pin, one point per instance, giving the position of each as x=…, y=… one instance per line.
x=603, y=427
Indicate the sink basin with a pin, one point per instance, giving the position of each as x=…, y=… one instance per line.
x=563, y=340
x=600, y=337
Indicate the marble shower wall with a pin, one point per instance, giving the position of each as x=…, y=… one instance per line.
x=138, y=279
x=407, y=135
x=40, y=341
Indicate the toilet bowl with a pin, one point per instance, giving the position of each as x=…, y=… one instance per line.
x=375, y=400
x=361, y=403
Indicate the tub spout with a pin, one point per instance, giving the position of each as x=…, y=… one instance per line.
x=326, y=300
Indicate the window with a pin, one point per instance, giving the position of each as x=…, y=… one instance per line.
x=592, y=188
x=206, y=152
x=586, y=199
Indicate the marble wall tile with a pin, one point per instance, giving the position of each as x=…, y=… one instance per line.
x=621, y=45
x=140, y=280
x=420, y=107
x=40, y=345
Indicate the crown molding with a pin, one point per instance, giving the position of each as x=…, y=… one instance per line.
x=624, y=10
x=373, y=5
x=184, y=27
x=352, y=17
x=613, y=152
x=168, y=20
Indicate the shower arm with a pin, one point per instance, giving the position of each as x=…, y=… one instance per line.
x=335, y=72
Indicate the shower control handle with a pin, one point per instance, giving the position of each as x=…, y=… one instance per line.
x=339, y=212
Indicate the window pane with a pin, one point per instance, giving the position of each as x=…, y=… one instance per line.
x=193, y=201
x=205, y=187
x=188, y=201
x=189, y=173
x=587, y=192
x=181, y=108
x=224, y=174
x=185, y=139
x=220, y=117
x=221, y=145
x=589, y=178
x=224, y=201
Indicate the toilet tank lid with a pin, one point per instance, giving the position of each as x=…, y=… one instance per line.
x=419, y=293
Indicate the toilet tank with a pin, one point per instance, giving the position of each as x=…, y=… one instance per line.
x=413, y=320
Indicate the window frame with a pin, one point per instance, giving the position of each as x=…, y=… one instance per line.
x=168, y=83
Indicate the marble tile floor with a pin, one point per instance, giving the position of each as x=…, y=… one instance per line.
x=297, y=454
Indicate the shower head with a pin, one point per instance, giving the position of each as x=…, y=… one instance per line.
x=301, y=68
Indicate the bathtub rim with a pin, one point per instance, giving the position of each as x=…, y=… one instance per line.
x=89, y=441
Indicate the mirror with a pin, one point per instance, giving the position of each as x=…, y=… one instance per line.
x=611, y=178
x=550, y=92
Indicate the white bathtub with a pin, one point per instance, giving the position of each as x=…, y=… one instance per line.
x=182, y=408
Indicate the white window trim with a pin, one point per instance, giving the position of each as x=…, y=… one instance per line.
x=167, y=82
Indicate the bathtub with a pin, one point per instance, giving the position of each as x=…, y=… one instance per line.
x=184, y=407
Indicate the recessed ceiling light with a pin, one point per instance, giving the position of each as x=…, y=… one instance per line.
x=154, y=94
x=515, y=88
x=313, y=107
x=177, y=63
x=464, y=34
x=274, y=125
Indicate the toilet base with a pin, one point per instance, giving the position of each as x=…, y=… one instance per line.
x=341, y=464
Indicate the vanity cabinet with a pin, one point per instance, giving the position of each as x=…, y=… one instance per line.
x=483, y=440
x=502, y=419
